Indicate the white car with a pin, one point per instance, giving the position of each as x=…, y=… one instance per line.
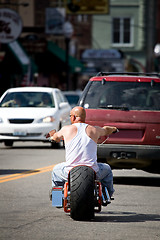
x=29, y=113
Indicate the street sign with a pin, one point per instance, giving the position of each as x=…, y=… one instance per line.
x=10, y=25
x=54, y=20
x=87, y=7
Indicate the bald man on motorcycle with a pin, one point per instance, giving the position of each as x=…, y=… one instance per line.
x=81, y=149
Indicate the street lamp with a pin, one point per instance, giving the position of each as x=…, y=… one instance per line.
x=68, y=32
x=157, y=50
x=157, y=57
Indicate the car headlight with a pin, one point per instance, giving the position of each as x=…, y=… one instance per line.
x=46, y=119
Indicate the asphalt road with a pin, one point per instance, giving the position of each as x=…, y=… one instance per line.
x=27, y=213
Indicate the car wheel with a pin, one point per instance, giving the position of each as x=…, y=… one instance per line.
x=8, y=143
x=154, y=168
x=55, y=145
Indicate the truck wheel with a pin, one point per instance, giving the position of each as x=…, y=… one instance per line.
x=82, y=193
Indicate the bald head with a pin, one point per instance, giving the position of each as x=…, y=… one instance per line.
x=79, y=113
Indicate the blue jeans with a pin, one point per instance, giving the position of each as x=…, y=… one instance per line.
x=59, y=176
x=105, y=176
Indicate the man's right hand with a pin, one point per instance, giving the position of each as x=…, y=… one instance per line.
x=115, y=131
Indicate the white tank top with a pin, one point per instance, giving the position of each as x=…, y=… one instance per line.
x=81, y=150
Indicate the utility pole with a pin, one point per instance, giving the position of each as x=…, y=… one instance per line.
x=150, y=34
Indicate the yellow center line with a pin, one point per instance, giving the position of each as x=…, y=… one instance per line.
x=26, y=174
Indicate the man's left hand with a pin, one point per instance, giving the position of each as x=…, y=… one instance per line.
x=51, y=133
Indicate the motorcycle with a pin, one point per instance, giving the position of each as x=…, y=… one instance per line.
x=82, y=195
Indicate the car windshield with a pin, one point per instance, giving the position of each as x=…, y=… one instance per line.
x=123, y=96
x=27, y=99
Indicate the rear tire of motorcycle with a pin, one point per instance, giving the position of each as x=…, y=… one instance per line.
x=82, y=193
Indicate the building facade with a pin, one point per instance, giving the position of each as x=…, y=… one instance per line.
x=130, y=28
x=122, y=38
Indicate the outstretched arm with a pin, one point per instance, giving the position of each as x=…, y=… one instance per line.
x=106, y=130
x=66, y=133
x=55, y=136
x=109, y=130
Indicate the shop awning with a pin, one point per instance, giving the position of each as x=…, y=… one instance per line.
x=24, y=60
x=74, y=64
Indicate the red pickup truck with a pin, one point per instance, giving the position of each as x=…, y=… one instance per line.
x=131, y=102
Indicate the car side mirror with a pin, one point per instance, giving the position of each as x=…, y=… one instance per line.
x=63, y=105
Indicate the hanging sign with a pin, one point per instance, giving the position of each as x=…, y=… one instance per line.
x=54, y=20
x=87, y=7
x=10, y=25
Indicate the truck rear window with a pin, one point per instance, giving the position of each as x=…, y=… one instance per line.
x=123, y=96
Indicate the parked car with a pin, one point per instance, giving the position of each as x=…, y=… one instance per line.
x=72, y=97
x=131, y=102
x=29, y=113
